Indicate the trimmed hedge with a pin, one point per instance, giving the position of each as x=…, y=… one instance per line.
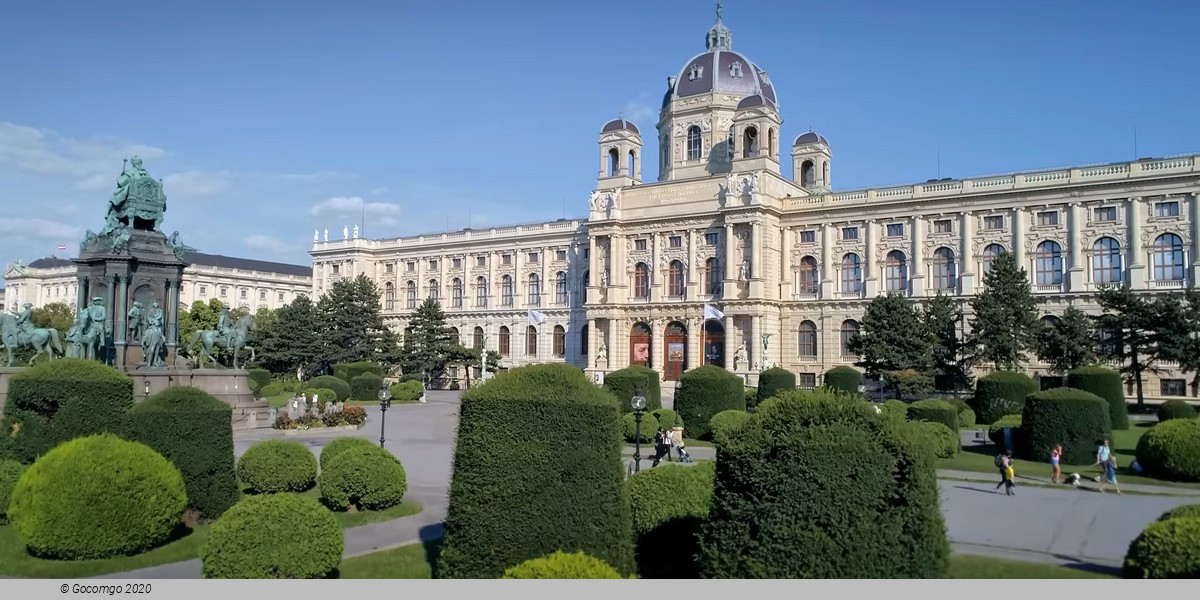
x=517, y=493
x=934, y=411
x=324, y=395
x=846, y=379
x=704, y=392
x=946, y=443
x=896, y=407
x=630, y=428
x=259, y=379
x=339, y=387
x=365, y=477
x=339, y=445
x=667, y=418
x=1171, y=450
x=191, y=429
x=726, y=422
x=59, y=400
x=669, y=504
x=406, y=391
x=773, y=381
x=10, y=472
x=996, y=430
x=97, y=497
x=1107, y=384
x=1067, y=416
x=966, y=416
x=1165, y=550
x=624, y=382
x=279, y=536
x=349, y=370
x=365, y=387
x=561, y=565
x=1175, y=409
x=1001, y=393
x=1187, y=511
x=823, y=488
x=274, y=466
x=271, y=390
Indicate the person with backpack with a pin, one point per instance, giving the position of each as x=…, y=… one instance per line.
x=1004, y=464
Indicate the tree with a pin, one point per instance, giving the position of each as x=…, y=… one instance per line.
x=893, y=338
x=942, y=316
x=351, y=322
x=431, y=345
x=1129, y=333
x=290, y=339
x=1178, y=338
x=1006, y=321
x=1069, y=343
x=56, y=315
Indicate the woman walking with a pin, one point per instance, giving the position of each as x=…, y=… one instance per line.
x=1110, y=474
x=1055, y=458
x=1005, y=464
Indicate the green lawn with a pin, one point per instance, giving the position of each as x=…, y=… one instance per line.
x=964, y=566
x=414, y=561
x=279, y=401
x=979, y=457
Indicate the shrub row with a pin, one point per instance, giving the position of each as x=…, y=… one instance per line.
x=935, y=411
x=1000, y=394
x=669, y=504
x=705, y=391
x=365, y=387
x=340, y=388
x=846, y=379
x=1175, y=409
x=1067, y=416
x=349, y=370
x=1105, y=383
x=772, y=381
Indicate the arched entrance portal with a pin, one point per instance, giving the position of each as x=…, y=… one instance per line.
x=714, y=343
x=675, y=362
x=639, y=345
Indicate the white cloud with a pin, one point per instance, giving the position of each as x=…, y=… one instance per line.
x=196, y=183
x=640, y=112
x=379, y=190
x=40, y=229
x=263, y=243
x=383, y=213
x=91, y=163
x=316, y=176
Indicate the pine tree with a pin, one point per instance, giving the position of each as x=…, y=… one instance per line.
x=1069, y=343
x=893, y=339
x=290, y=339
x=1179, y=340
x=942, y=317
x=1006, y=323
x=351, y=321
x=430, y=344
x=1130, y=332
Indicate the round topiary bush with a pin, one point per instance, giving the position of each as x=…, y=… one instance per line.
x=274, y=466
x=996, y=430
x=623, y=383
x=647, y=429
x=323, y=395
x=667, y=418
x=406, y=391
x=1171, y=450
x=704, y=392
x=772, y=381
x=339, y=387
x=1175, y=409
x=1187, y=511
x=258, y=379
x=278, y=536
x=342, y=444
x=367, y=478
x=365, y=387
x=1107, y=384
x=934, y=411
x=669, y=503
x=1165, y=550
x=895, y=407
x=561, y=565
x=1067, y=416
x=726, y=422
x=270, y=390
x=10, y=472
x=946, y=443
x=999, y=394
x=846, y=379
x=966, y=416
x=97, y=497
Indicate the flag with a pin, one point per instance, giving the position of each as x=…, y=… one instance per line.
x=536, y=318
x=711, y=312
x=62, y=246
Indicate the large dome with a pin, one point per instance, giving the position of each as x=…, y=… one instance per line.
x=719, y=70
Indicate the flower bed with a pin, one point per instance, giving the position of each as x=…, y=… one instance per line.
x=350, y=417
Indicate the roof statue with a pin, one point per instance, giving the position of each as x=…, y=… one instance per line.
x=138, y=203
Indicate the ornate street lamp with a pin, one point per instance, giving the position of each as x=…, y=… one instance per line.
x=385, y=400
x=639, y=405
x=146, y=389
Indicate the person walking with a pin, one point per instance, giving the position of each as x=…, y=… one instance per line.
x=677, y=440
x=1055, y=458
x=1004, y=464
x=1110, y=474
x=662, y=447
x=1103, y=453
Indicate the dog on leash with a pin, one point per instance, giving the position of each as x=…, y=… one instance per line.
x=1072, y=479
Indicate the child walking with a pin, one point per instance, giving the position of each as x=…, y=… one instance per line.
x=1055, y=458
x=1110, y=474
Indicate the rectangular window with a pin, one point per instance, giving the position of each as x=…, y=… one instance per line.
x=533, y=258
x=204, y=290
x=433, y=264
x=480, y=261
x=412, y=266
x=993, y=222
x=639, y=244
x=281, y=296
x=1048, y=218
x=587, y=253
x=224, y=292
x=808, y=237
x=895, y=230
x=676, y=241
x=849, y=233
x=262, y=295
x=506, y=259
x=457, y=263
x=562, y=255
x=1166, y=209
x=336, y=269
x=388, y=268
x=1172, y=387
x=712, y=238
x=244, y=293
x=1105, y=213
x=943, y=226
x=806, y=380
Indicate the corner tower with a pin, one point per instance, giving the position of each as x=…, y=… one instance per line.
x=620, y=154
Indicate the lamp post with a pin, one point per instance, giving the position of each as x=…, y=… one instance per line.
x=146, y=389
x=385, y=400
x=639, y=405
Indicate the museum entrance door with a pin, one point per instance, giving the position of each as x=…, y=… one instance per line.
x=714, y=343
x=675, y=361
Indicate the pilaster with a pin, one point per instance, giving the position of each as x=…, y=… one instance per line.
x=1075, y=272
x=1137, y=266
x=871, y=261
x=729, y=269
x=918, y=257
x=693, y=270
x=756, y=260
x=1018, y=230
x=785, y=270
x=827, y=288
x=967, y=254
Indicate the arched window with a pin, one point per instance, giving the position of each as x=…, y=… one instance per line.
x=825, y=172
x=560, y=288
x=435, y=291
x=809, y=277
x=583, y=340
x=455, y=335
x=750, y=143
x=808, y=339
x=389, y=296
x=535, y=289
x=1168, y=257
x=730, y=144
x=632, y=163
x=411, y=294
x=477, y=338
x=895, y=271
x=641, y=281
x=505, y=341
x=1048, y=265
x=771, y=142
x=1050, y=321
x=456, y=293
x=849, y=330
x=531, y=341
x=614, y=162
x=712, y=276
x=989, y=254
x=851, y=274
x=587, y=281
x=560, y=341
x=506, y=290
x=1106, y=262
x=808, y=174
x=945, y=270
x=693, y=143
x=481, y=291
x=675, y=284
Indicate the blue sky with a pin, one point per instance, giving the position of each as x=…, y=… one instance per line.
x=270, y=119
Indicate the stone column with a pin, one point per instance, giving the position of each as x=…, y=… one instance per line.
x=870, y=262
x=619, y=275
x=657, y=276
x=827, y=283
x=693, y=281
x=918, y=257
x=755, y=346
x=171, y=314
x=1137, y=265
x=695, y=351
x=1195, y=237
x=1075, y=272
x=81, y=294
x=593, y=269
x=756, y=260
x=658, y=346
x=730, y=345
x=730, y=270
x=966, y=259
x=491, y=279
x=592, y=346
x=120, y=309
x=785, y=269
x=548, y=288
x=1018, y=229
